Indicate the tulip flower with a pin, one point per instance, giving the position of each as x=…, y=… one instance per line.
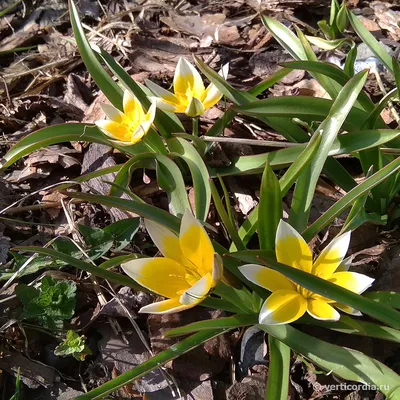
x=190, y=97
x=289, y=301
x=130, y=126
x=185, y=275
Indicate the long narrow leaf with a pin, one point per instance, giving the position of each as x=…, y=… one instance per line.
x=84, y=266
x=249, y=226
x=200, y=175
x=349, y=198
x=344, y=144
x=144, y=210
x=307, y=182
x=224, y=217
x=369, y=40
x=155, y=362
x=348, y=364
x=279, y=369
x=112, y=91
x=270, y=209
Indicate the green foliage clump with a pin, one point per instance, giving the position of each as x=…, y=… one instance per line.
x=50, y=304
x=73, y=345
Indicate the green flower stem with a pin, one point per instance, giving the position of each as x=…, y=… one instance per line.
x=155, y=362
x=195, y=125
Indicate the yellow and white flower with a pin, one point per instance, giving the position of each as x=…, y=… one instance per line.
x=289, y=301
x=186, y=274
x=130, y=126
x=190, y=97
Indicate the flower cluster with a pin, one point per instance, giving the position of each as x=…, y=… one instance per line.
x=190, y=97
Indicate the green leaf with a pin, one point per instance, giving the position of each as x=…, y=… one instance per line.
x=349, y=63
x=54, y=301
x=391, y=299
x=60, y=134
x=366, y=36
x=332, y=17
x=304, y=107
x=279, y=369
x=284, y=126
x=305, y=187
x=249, y=226
x=341, y=205
x=321, y=67
x=122, y=232
x=299, y=49
x=362, y=328
x=343, y=144
x=232, y=231
x=269, y=210
x=235, y=321
x=348, y=364
x=341, y=18
x=6, y=10
x=199, y=172
x=269, y=82
x=329, y=44
x=326, y=29
x=84, y=266
x=327, y=289
x=112, y=91
x=99, y=242
x=375, y=113
x=17, y=392
x=73, y=345
x=285, y=37
x=396, y=72
x=116, y=261
x=334, y=72
x=169, y=178
x=35, y=265
x=153, y=363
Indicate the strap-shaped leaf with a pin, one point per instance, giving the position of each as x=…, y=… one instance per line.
x=112, y=91
x=199, y=172
x=305, y=187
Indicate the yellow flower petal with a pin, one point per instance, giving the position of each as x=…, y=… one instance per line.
x=321, y=310
x=353, y=281
x=166, y=241
x=194, y=108
x=145, y=126
x=348, y=309
x=196, y=245
x=187, y=80
x=165, y=307
x=291, y=248
x=198, y=291
x=115, y=130
x=212, y=95
x=132, y=108
x=266, y=278
x=160, y=275
x=332, y=256
x=282, y=307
